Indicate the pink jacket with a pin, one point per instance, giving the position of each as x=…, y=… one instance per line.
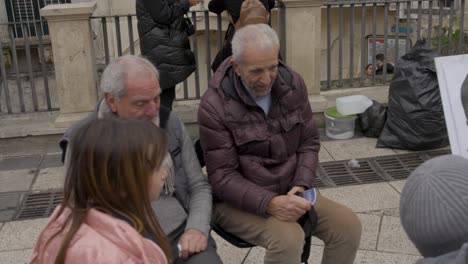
x=100, y=239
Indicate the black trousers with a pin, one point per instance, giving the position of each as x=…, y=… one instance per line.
x=168, y=96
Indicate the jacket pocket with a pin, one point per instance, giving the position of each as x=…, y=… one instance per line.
x=288, y=122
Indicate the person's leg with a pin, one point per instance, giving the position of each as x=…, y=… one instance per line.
x=340, y=230
x=209, y=255
x=283, y=241
x=168, y=96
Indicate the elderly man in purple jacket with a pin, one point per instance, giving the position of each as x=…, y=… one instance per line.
x=261, y=147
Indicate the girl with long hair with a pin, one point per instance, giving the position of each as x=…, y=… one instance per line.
x=115, y=168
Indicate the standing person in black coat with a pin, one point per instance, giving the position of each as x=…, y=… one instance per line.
x=163, y=40
x=233, y=8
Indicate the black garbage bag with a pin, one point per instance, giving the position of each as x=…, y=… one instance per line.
x=372, y=120
x=415, y=117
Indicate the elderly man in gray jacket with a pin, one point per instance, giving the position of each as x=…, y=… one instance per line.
x=131, y=90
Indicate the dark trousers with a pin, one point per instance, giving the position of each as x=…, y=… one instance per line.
x=168, y=96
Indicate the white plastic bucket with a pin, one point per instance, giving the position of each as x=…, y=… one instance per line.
x=338, y=126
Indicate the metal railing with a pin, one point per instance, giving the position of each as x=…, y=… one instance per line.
x=387, y=27
x=117, y=36
x=25, y=69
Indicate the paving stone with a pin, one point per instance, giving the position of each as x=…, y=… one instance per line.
x=19, y=163
x=364, y=198
x=388, y=212
x=21, y=234
x=16, y=180
x=52, y=160
x=316, y=253
x=229, y=254
x=370, y=231
x=393, y=238
x=10, y=200
x=373, y=257
x=7, y=215
x=324, y=155
x=50, y=178
x=255, y=256
x=15, y=257
x=355, y=149
x=398, y=185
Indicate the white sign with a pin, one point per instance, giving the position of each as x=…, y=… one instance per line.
x=451, y=73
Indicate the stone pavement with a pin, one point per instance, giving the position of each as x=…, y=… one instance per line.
x=33, y=164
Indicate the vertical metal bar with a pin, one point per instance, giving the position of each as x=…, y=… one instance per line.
x=419, y=19
x=208, y=45
x=385, y=45
x=33, y=16
x=462, y=30
x=4, y=80
x=106, y=40
x=31, y=76
x=439, y=31
x=26, y=18
x=328, y=46
x=363, y=41
x=130, y=34
x=15, y=65
x=340, y=47
x=195, y=51
x=374, y=38
x=351, y=47
x=43, y=68
x=40, y=19
x=220, y=32
x=397, y=32
x=186, y=97
x=429, y=30
x=450, y=29
x=117, y=35
x=282, y=30
x=14, y=19
x=408, y=25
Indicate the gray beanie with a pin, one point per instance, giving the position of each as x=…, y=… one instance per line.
x=434, y=205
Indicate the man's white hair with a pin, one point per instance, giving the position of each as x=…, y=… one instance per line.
x=114, y=76
x=260, y=36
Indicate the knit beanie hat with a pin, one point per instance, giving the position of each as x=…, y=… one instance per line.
x=434, y=205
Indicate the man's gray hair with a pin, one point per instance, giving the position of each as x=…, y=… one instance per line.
x=261, y=36
x=114, y=76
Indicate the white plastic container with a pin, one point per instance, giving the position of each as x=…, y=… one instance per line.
x=353, y=104
x=338, y=126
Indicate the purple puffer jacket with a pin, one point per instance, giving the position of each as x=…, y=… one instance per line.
x=250, y=156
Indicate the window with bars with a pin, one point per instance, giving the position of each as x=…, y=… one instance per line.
x=24, y=17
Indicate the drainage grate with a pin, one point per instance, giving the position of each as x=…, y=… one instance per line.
x=36, y=205
x=377, y=169
x=330, y=174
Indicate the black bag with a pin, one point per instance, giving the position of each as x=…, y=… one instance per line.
x=372, y=120
x=415, y=117
x=189, y=27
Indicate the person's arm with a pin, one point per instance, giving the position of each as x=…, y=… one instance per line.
x=166, y=11
x=223, y=166
x=216, y=6
x=195, y=237
x=307, y=153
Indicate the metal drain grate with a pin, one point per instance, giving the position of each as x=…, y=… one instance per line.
x=377, y=169
x=330, y=174
x=37, y=205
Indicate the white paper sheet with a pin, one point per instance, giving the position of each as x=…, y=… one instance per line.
x=451, y=72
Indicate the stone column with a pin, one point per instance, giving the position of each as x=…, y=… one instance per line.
x=74, y=59
x=303, y=43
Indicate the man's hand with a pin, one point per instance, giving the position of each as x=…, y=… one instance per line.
x=191, y=242
x=288, y=208
x=296, y=189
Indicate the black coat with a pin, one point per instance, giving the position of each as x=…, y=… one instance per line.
x=233, y=9
x=163, y=39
